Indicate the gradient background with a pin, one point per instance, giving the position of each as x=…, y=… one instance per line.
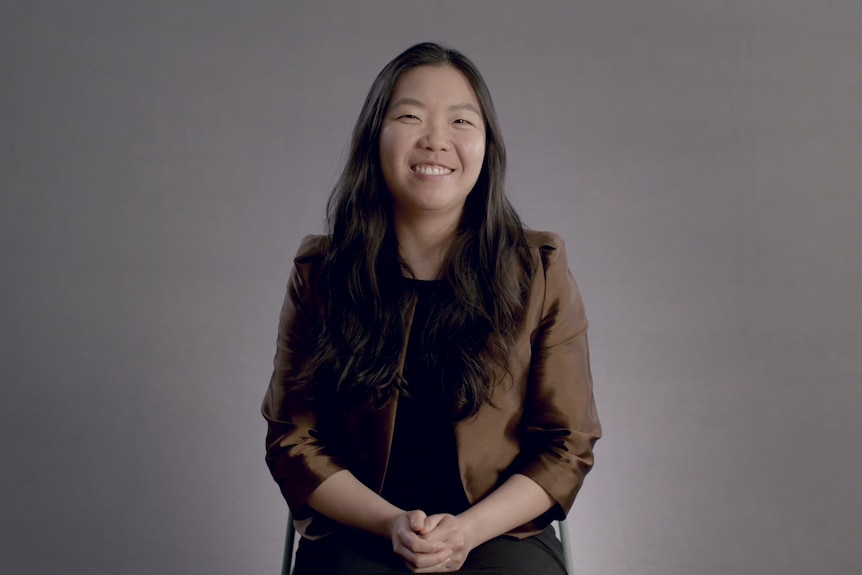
x=161, y=161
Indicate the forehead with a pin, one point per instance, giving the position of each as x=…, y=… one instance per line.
x=431, y=84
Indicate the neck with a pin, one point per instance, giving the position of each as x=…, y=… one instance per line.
x=423, y=245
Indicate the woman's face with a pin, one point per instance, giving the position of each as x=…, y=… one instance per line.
x=432, y=143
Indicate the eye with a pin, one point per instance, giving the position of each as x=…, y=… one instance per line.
x=463, y=122
x=408, y=117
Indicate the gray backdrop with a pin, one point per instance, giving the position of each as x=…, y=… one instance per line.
x=161, y=161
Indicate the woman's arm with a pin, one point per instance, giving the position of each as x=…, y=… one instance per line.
x=298, y=458
x=560, y=426
x=439, y=542
x=517, y=501
x=345, y=499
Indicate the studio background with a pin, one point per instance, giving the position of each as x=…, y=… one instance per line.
x=161, y=161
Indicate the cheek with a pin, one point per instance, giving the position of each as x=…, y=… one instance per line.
x=386, y=144
x=474, y=152
x=389, y=154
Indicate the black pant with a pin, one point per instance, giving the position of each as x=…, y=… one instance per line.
x=352, y=553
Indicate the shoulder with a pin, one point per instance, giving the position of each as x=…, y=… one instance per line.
x=543, y=240
x=554, y=278
x=548, y=248
x=308, y=264
x=553, y=283
x=312, y=247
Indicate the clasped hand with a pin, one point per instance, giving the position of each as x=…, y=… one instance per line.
x=430, y=544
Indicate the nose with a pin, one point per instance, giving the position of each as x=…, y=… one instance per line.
x=435, y=138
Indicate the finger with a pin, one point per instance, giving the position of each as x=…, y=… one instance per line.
x=417, y=561
x=445, y=530
x=431, y=523
x=416, y=544
x=447, y=566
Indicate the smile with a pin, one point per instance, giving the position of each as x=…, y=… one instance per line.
x=430, y=170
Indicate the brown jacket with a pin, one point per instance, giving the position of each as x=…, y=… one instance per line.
x=542, y=424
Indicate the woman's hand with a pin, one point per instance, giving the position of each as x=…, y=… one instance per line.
x=419, y=554
x=518, y=500
x=453, y=533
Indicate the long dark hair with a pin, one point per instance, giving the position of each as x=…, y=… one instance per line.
x=366, y=304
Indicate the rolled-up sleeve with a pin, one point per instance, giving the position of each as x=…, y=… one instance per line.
x=297, y=457
x=560, y=425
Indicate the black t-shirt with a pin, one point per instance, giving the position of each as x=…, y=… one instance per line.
x=423, y=463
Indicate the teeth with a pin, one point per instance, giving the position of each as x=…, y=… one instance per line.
x=431, y=170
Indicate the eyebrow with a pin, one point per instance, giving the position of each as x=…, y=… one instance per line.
x=466, y=106
x=455, y=107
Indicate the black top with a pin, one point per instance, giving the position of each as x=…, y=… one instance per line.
x=423, y=463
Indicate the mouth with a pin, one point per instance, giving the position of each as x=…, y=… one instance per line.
x=430, y=170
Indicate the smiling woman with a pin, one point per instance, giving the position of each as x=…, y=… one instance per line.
x=432, y=145
x=431, y=406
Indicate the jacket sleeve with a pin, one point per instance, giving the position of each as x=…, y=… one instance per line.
x=298, y=460
x=560, y=425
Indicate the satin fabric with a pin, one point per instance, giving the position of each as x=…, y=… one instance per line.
x=541, y=422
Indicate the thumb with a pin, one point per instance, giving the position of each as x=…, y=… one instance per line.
x=432, y=522
x=416, y=518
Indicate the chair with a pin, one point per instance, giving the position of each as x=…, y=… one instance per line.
x=290, y=544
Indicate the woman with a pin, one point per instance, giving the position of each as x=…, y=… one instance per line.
x=431, y=406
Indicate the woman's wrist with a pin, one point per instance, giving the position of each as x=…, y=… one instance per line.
x=471, y=528
x=389, y=524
